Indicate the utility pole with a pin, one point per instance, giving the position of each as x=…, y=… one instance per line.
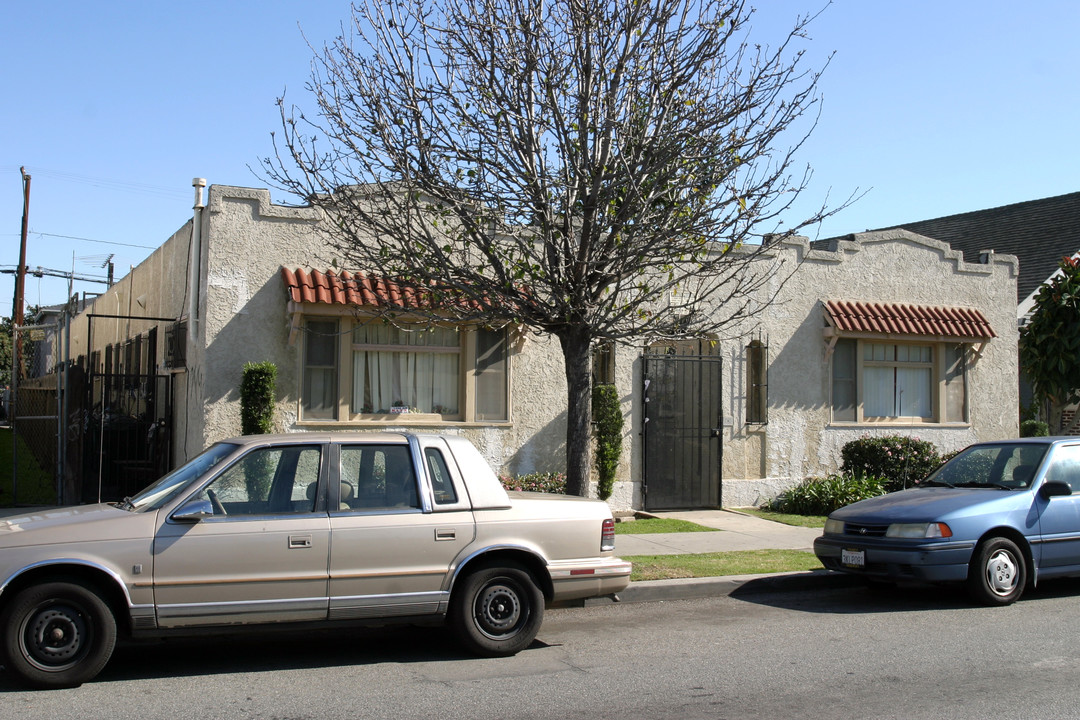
x=20, y=272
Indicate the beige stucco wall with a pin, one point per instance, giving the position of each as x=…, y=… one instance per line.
x=800, y=440
x=243, y=316
x=153, y=289
x=247, y=239
x=156, y=288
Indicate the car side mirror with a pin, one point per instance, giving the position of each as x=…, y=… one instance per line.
x=193, y=511
x=1054, y=488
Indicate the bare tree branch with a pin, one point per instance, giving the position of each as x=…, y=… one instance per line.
x=591, y=169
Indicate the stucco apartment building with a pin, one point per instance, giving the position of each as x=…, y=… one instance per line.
x=1039, y=233
x=878, y=333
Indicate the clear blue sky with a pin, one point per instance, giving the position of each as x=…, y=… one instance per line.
x=934, y=107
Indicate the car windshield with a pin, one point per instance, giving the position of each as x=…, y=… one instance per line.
x=1009, y=466
x=167, y=487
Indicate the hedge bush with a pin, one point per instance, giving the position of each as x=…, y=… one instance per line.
x=554, y=482
x=820, y=496
x=257, y=398
x=1034, y=428
x=900, y=461
x=608, y=427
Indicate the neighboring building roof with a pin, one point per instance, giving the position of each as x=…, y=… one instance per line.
x=904, y=319
x=1038, y=232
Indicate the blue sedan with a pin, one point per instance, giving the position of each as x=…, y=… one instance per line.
x=997, y=517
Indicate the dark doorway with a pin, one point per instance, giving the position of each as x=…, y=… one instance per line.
x=682, y=417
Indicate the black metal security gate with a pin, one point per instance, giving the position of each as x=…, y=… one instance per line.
x=126, y=436
x=682, y=416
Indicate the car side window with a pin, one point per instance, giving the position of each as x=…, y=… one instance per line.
x=267, y=481
x=1021, y=465
x=441, y=484
x=1065, y=467
x=377, y=477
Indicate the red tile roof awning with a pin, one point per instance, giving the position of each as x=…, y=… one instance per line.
x=900, y=319
x=355, y=289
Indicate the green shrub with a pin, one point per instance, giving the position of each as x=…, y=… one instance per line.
x=900, y=461
x=257, y=398
x=608, y=426
x=1034, y=428
x=554, y=482
x=820, y=496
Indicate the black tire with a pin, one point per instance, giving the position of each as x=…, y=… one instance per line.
x=998, y=572
x=496, y=611
x=57, y=634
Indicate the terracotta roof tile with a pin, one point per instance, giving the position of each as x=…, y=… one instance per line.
x=904, y=319
x=348, y=288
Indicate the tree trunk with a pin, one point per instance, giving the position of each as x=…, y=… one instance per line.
x=576, y=358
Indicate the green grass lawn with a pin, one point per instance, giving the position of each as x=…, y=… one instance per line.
x=738, y=562
x=646, y=526
x=814, y=521
x=35, y=486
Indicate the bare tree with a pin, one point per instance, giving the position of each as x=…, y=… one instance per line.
x=598, y=170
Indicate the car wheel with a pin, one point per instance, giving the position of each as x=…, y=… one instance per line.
x=57, y=634
x=998, y=572
x=497, y=610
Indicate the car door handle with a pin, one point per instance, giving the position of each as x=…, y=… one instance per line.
x=299, y=541
x=445, y=534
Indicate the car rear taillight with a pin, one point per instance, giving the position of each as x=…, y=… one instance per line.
x=607, y=535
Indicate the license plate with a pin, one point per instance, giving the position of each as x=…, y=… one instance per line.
x=853, y=558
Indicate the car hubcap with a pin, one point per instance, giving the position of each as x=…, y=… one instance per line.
x=498, y=610
x=1001, y=572
x=54, y=637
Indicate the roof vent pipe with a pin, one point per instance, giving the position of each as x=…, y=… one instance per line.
x=194, y=262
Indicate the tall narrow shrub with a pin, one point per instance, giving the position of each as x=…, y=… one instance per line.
x=608, y=427
x=257, y=398
x=257, y=418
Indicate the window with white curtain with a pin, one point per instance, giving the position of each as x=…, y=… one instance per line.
x=396, y=368
x=897, y=380
x=383, y=371
x=320, y=369
x=910, y=382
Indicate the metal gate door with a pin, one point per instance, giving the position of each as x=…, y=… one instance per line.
x=127, y=436
x=682, y=431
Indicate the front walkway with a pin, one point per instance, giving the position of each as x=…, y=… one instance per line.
x=735, y=531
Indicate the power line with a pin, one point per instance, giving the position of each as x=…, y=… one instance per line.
x=102, y=242
x=39, y=272
x=144, y=188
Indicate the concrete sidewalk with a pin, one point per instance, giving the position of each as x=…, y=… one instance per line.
x=734, y=531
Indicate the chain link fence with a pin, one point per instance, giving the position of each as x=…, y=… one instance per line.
x=34, y=416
